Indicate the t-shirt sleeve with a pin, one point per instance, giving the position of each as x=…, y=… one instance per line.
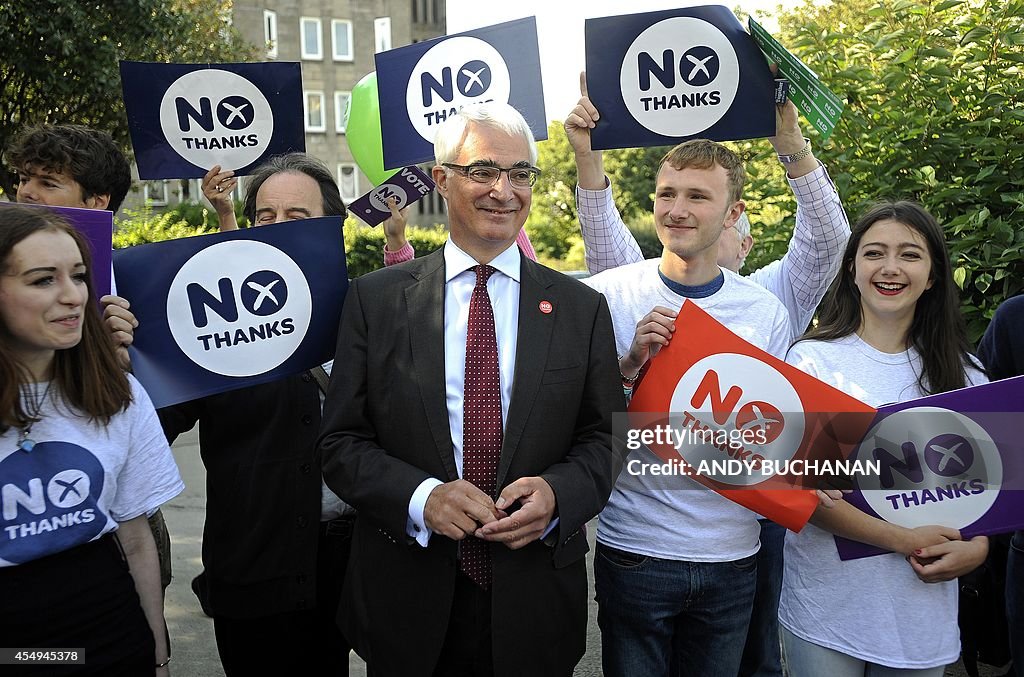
x=803, y=360
x=781, y=333
x=149, y=476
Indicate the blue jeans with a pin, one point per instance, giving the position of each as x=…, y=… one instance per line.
x=762, y=656
x=807, y=659
x=652, y=611
x=1015, y=600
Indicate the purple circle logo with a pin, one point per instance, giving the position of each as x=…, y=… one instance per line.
x=949, y=455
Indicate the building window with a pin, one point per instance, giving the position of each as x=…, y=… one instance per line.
x=381, y=34
x=270, y=32
x=415, y=12
x=155, y=192
x=314, y=109
x=341, y=100
x=309, y=29
x=341, y=39
x=348, y=182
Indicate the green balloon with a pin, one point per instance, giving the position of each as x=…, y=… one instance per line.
x=362, y=130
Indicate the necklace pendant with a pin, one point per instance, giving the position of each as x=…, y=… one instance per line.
x=26, y=443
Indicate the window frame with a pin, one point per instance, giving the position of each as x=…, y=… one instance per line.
x=355, y=181
x=308, y=55
x=339, y=110
x=380, y=24
x=149, y=199
x=335, y=56
x=306, y=93
x=270, y=33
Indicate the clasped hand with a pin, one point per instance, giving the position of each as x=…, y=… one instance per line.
x=459, y=509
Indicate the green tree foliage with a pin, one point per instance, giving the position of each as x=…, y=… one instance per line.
x=145, y=226
x=60, y=57
x=933, y=114
x=197, y=214
x=552, y=225
x=364, y=246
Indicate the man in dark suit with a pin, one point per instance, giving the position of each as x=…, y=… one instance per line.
x=469, y=421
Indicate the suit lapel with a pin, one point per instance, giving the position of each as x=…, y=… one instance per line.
x=535, y=329
x=424, y=301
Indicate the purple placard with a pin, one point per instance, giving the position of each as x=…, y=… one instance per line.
x=97, y=225
x=955, y=459
x=409, y=185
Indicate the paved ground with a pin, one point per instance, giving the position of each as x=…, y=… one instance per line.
x=194, y=649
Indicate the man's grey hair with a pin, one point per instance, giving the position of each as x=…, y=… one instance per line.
x=298, y=163
x=500, y=116
x=742, y=226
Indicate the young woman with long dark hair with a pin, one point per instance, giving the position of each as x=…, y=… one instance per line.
x=889, y=330
x=82, y=462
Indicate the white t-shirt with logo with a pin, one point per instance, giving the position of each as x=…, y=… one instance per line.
x=675, y=517
x=875, y=608
x=81, y=478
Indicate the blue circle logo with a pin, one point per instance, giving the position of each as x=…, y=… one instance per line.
x=49, y=501
x=699, y=66
x=235, y=112
x=264, y=293
x=474, y=78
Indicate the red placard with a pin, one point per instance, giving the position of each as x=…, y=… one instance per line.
x=708, y=378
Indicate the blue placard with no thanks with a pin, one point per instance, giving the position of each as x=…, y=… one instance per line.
x=420, y=85
x=186, y=118
x=223, y=311
x=662, y=77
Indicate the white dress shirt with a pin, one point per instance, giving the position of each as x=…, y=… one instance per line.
x=503, y=290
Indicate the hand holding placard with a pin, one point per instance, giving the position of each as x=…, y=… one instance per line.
x=821, y=107
x=578, y=123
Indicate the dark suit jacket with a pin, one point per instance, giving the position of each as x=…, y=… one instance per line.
x=386, y=430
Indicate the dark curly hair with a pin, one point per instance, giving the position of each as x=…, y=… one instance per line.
x=88, y=156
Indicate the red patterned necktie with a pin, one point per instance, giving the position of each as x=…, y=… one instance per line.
x=481, y=418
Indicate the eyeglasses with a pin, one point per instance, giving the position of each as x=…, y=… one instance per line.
x=519, y=177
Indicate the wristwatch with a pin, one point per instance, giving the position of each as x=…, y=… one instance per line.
x=797, y=156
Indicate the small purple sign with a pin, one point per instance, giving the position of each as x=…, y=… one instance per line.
x=409, y=185
x=97, y=225
x=954, y=459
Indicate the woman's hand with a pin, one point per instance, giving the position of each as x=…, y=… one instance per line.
x=946, y=561
x=395, y=225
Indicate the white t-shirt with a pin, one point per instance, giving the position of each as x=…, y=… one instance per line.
x=675, y=517
x=81, y=478
x=875, y=608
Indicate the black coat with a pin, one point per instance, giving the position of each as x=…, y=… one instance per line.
x=386, y=429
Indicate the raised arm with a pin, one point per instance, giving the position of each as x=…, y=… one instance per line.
x=606, y=239
x=820, y=234
x=396, y=249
